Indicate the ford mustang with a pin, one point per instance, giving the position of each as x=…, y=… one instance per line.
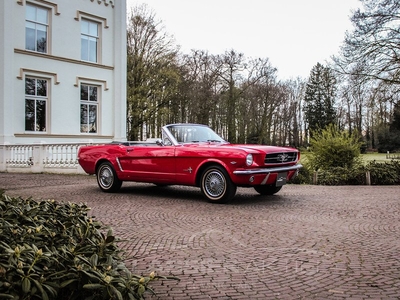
x=192, y=155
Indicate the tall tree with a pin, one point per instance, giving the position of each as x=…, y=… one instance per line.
x=201, y=78
x=319, y=99
x=295, y=90
x=395, y=125
x=255, y=104
x=152, y=72
x=233, y=65
x=372, y=49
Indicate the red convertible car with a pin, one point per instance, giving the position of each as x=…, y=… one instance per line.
x=193, y=155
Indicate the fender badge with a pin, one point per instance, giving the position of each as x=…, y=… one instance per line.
x=188, y=170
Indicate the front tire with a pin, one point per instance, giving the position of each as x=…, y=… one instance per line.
x=216, y=185
x=267, y=189
x=107, y=178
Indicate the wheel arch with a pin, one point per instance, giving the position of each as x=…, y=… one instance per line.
x=100, y=161
x=207, y=164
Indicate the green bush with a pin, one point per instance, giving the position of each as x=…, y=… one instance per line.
x=342, y=176
x=305, y=175
x=387, y=173
x=50, y=250
x=331, y=148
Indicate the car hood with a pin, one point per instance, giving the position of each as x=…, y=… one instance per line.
x=251, y=148
x=257, y=148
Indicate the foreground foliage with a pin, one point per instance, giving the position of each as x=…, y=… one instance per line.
x=50, y=250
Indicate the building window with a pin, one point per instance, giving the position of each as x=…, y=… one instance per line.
x=89, y=108
x=36, y=28
x=89, y=40
x=36, y=97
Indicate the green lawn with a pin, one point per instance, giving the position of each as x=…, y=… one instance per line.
x=379, y=157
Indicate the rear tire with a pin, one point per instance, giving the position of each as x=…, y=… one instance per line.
x=267, y=189
x=107, y=178
x=216, y=185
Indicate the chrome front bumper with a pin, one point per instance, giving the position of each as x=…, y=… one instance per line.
x=268, y=170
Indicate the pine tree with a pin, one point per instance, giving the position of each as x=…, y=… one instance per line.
x=395, y=125
x=394, y=129
x=319, y=98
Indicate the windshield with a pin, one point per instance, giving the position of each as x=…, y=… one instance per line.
x=192, y=133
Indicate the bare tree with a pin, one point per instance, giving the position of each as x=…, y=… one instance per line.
x=152, y=72
x=372, y=49
x=201, y=78
x=295, y=90
x=233, y=65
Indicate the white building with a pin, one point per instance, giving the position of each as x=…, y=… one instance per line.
x=63, y=71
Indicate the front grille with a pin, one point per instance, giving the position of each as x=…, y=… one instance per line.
x=280, y=157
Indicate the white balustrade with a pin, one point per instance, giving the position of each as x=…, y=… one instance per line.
x=61, y=156
x=37, y=158
x=20, y=156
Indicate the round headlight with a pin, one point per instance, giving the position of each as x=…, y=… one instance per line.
x=249, y=159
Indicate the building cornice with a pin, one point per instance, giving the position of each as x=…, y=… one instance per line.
x=45, y=2
x=63, y=59
x=106, y=2
x=69, y=136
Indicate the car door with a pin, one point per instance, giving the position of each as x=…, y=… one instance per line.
x=148, y=163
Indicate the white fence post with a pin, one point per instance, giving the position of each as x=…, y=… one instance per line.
x=37, y=161
x=3, y=167
x=368, y=177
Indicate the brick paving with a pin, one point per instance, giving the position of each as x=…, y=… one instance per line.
x=306, y=242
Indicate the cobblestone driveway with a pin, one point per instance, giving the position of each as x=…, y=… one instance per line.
x=310, y=242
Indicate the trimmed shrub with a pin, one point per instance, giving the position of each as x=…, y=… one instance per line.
x=305, y=175
x=331, y=148
x=50, y=250
x=387, y=173
x=342, y=176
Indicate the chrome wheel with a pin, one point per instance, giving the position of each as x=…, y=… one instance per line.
x=107, y=178
x=216, y=185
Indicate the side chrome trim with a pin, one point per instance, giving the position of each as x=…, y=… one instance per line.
x=267, y=170
x=119, y=164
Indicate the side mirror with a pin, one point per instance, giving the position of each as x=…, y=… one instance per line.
x=159, y=142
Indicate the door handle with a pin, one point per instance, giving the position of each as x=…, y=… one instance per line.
x=129, y=149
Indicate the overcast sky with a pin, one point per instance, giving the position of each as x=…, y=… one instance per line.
x=293, y=34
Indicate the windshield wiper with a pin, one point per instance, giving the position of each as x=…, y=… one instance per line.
x=214, y=141
x=208, y=141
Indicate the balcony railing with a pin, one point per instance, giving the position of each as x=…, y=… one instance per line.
x=39, y=158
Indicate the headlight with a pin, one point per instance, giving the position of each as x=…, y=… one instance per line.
x=249, y=159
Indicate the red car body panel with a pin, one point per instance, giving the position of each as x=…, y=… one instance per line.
x=180, y=164
x=194, y=155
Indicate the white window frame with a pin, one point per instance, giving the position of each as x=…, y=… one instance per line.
x=36, y=98
x=88, y=103
x=102, y=23
x=89, y=37
x=37, y=23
